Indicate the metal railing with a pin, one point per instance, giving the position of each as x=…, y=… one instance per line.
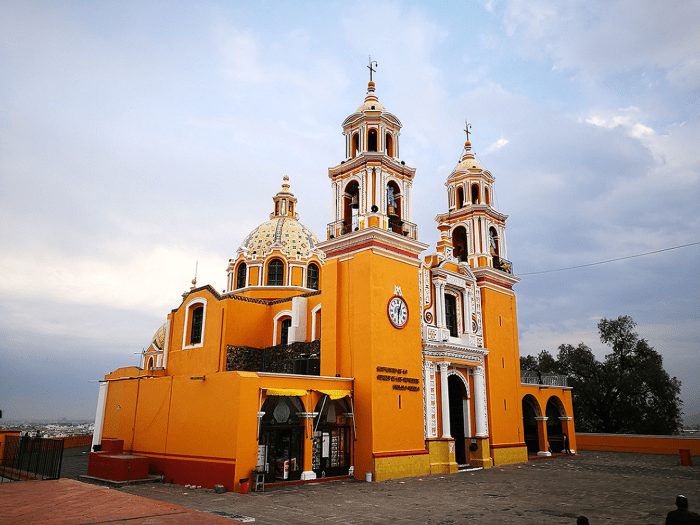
x=503, y=264
x=25, y=458
x=394, y=224
x=547, y=380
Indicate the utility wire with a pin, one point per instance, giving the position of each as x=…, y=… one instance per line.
x=611, y=260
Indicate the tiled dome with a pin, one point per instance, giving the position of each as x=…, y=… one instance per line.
x=158, y=339
x=292, y=237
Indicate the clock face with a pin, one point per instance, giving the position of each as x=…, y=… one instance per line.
x=398, y=311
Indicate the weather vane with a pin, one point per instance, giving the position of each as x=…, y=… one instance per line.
x=370, y=67
x=467, y=127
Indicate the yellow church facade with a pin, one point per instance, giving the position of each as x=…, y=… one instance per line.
x=357, y=355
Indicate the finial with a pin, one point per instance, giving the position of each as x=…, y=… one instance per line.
x=370, y=67
x=285, y=178
x=194, y=281
x=467, y=127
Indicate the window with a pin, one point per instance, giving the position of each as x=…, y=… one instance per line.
x=475, y=194
x=459, y=243
x=312, y=277
x=389, y=145
x=284, y=335
x=195, y=318
x=460, y=198
x=451, y=314
x=240, y=276
x=355, y=145
x=372, y=140
x=487, y=196
x=196, y=329
x=275, y=273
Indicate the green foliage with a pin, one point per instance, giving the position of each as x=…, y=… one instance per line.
x=629, y=392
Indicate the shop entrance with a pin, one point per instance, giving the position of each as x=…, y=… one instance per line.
x=332, y=438
x=281, y=443
x=458, y=403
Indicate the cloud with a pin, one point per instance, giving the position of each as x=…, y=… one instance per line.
x=602, y=37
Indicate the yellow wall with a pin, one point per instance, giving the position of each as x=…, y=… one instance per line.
x=358, y=337
x=502, y=367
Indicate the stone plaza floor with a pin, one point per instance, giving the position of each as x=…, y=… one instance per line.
x=606, y=487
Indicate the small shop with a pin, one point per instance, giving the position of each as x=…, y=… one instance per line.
x=281, y=442
x=332, y=438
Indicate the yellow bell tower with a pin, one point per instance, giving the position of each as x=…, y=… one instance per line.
x=473, y=231
x=371, y=328
x=372, y=187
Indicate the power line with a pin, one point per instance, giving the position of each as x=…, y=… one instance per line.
x=611, y=260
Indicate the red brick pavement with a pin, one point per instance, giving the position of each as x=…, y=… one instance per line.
x=70, y=502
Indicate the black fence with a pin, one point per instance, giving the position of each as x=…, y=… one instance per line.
x=24, y=458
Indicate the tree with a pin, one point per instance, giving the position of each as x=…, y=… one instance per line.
x=629, y=392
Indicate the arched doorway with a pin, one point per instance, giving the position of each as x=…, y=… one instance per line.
x=555, y=433
x=531, y=410
x=459, y=403
x=332, y=438
x=282, y=437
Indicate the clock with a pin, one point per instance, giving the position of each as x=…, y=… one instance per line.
x=398, y=311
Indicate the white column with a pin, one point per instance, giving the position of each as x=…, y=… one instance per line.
x=438, y=310
x=426, y=397
x=480, y=408
x=369, y=191
x=444, y=401
x=441, y=298
x=99, y=415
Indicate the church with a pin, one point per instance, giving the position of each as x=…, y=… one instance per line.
x=359, y=355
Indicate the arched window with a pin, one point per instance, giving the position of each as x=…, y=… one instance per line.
x=240, y=276
x=389, y=145
x=460, y=198
x=393, y=203
x=493, y=242
x=372, y=140
x=312, y=276
x=351, y=207
x=475, y=194
x=459, y=244
x=195, y=318
x=355, y=145
x=275, y=273
x=196, y=327
x=487, y=196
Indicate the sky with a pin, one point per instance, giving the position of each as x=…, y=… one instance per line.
x=139, y=140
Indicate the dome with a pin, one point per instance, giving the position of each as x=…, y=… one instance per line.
x=371, y=105
x=158, y=339
x=467, y=163
x=371, y=102
x=284, y=233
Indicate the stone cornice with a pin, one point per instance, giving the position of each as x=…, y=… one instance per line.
x=471, y=209
x=374, y=159
x=446, y=274
x=488, y=274
x=447, y=351
x=372, y=237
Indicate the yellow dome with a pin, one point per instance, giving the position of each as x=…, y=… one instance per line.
x=370, y=105
x=287, y=233
x=468, y=164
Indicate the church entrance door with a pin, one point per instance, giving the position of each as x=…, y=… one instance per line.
x=458, y=400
